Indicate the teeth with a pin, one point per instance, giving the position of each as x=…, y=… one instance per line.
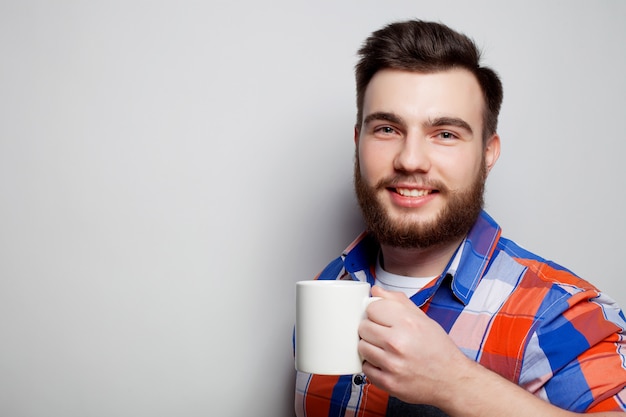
x=411, y=192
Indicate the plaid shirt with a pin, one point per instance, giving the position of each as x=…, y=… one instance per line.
x=526, y=318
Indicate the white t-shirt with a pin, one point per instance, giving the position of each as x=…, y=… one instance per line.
x=409, y=285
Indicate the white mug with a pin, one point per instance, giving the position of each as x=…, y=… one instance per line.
x=328, y=314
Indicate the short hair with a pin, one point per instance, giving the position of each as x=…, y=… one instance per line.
x=427, y=47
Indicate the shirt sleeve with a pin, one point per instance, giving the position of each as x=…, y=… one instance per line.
x=576, y=357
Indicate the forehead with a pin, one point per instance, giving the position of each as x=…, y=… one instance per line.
x=416, y=96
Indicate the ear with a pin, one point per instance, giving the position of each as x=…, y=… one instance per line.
x=356, y=135
x=492, y=151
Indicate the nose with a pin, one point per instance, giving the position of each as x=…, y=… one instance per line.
x=413, y=155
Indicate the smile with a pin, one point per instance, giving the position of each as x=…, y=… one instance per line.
x=412, y=192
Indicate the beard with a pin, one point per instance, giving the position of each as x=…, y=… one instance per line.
x=453, y=221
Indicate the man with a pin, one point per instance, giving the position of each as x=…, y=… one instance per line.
x=469, y=324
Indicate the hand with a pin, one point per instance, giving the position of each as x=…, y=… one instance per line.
x=407, y=353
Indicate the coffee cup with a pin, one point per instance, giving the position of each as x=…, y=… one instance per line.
x=328, y=313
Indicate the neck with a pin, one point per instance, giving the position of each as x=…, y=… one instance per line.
x=418, y=262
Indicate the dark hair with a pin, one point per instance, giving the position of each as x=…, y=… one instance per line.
x=426, y=47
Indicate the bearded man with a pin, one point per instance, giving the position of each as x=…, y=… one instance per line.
x=469, y=323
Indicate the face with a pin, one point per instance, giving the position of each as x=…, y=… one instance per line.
x=421, y=164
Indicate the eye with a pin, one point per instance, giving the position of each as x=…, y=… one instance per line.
x=447, y=135
x=385, y=130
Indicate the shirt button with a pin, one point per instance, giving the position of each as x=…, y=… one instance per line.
x=358, y=379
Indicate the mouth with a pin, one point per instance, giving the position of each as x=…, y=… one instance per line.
x=412, y=192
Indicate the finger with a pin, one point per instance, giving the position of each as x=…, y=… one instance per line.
x=371, y=371
x=370, y=353
x=390, y=295
x=389, y=311
x=383, y=312
x=373, y=332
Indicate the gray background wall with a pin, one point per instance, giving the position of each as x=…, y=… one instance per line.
x=168, y=170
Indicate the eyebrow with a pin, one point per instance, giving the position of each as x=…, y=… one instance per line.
x=449, y=121
x=389, y=117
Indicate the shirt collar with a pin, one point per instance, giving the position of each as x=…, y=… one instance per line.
x=477, y=250
x=466, y=267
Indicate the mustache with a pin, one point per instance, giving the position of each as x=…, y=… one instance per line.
x=417, y=181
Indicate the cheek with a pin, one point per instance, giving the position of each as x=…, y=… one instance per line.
x=460, y=173
x=374, y=163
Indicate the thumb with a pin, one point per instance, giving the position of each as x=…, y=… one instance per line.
x=389, y=295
